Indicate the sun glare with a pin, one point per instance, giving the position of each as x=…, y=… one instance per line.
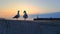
x=12, y=9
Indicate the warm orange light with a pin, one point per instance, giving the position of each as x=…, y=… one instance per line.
x=11, y=10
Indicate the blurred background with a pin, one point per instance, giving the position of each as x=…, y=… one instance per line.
x=42, y=8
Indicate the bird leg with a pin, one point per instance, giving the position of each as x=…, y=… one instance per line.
x=17, y=18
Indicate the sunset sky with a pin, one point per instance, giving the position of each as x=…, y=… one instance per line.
x=9, y=8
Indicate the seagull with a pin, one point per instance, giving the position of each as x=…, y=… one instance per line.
x=25, y=16
x=17, y=16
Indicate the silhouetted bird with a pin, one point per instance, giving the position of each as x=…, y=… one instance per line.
x=17, y=16
x=25, y=16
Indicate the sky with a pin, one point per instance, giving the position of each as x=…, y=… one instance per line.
x=9, y=8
